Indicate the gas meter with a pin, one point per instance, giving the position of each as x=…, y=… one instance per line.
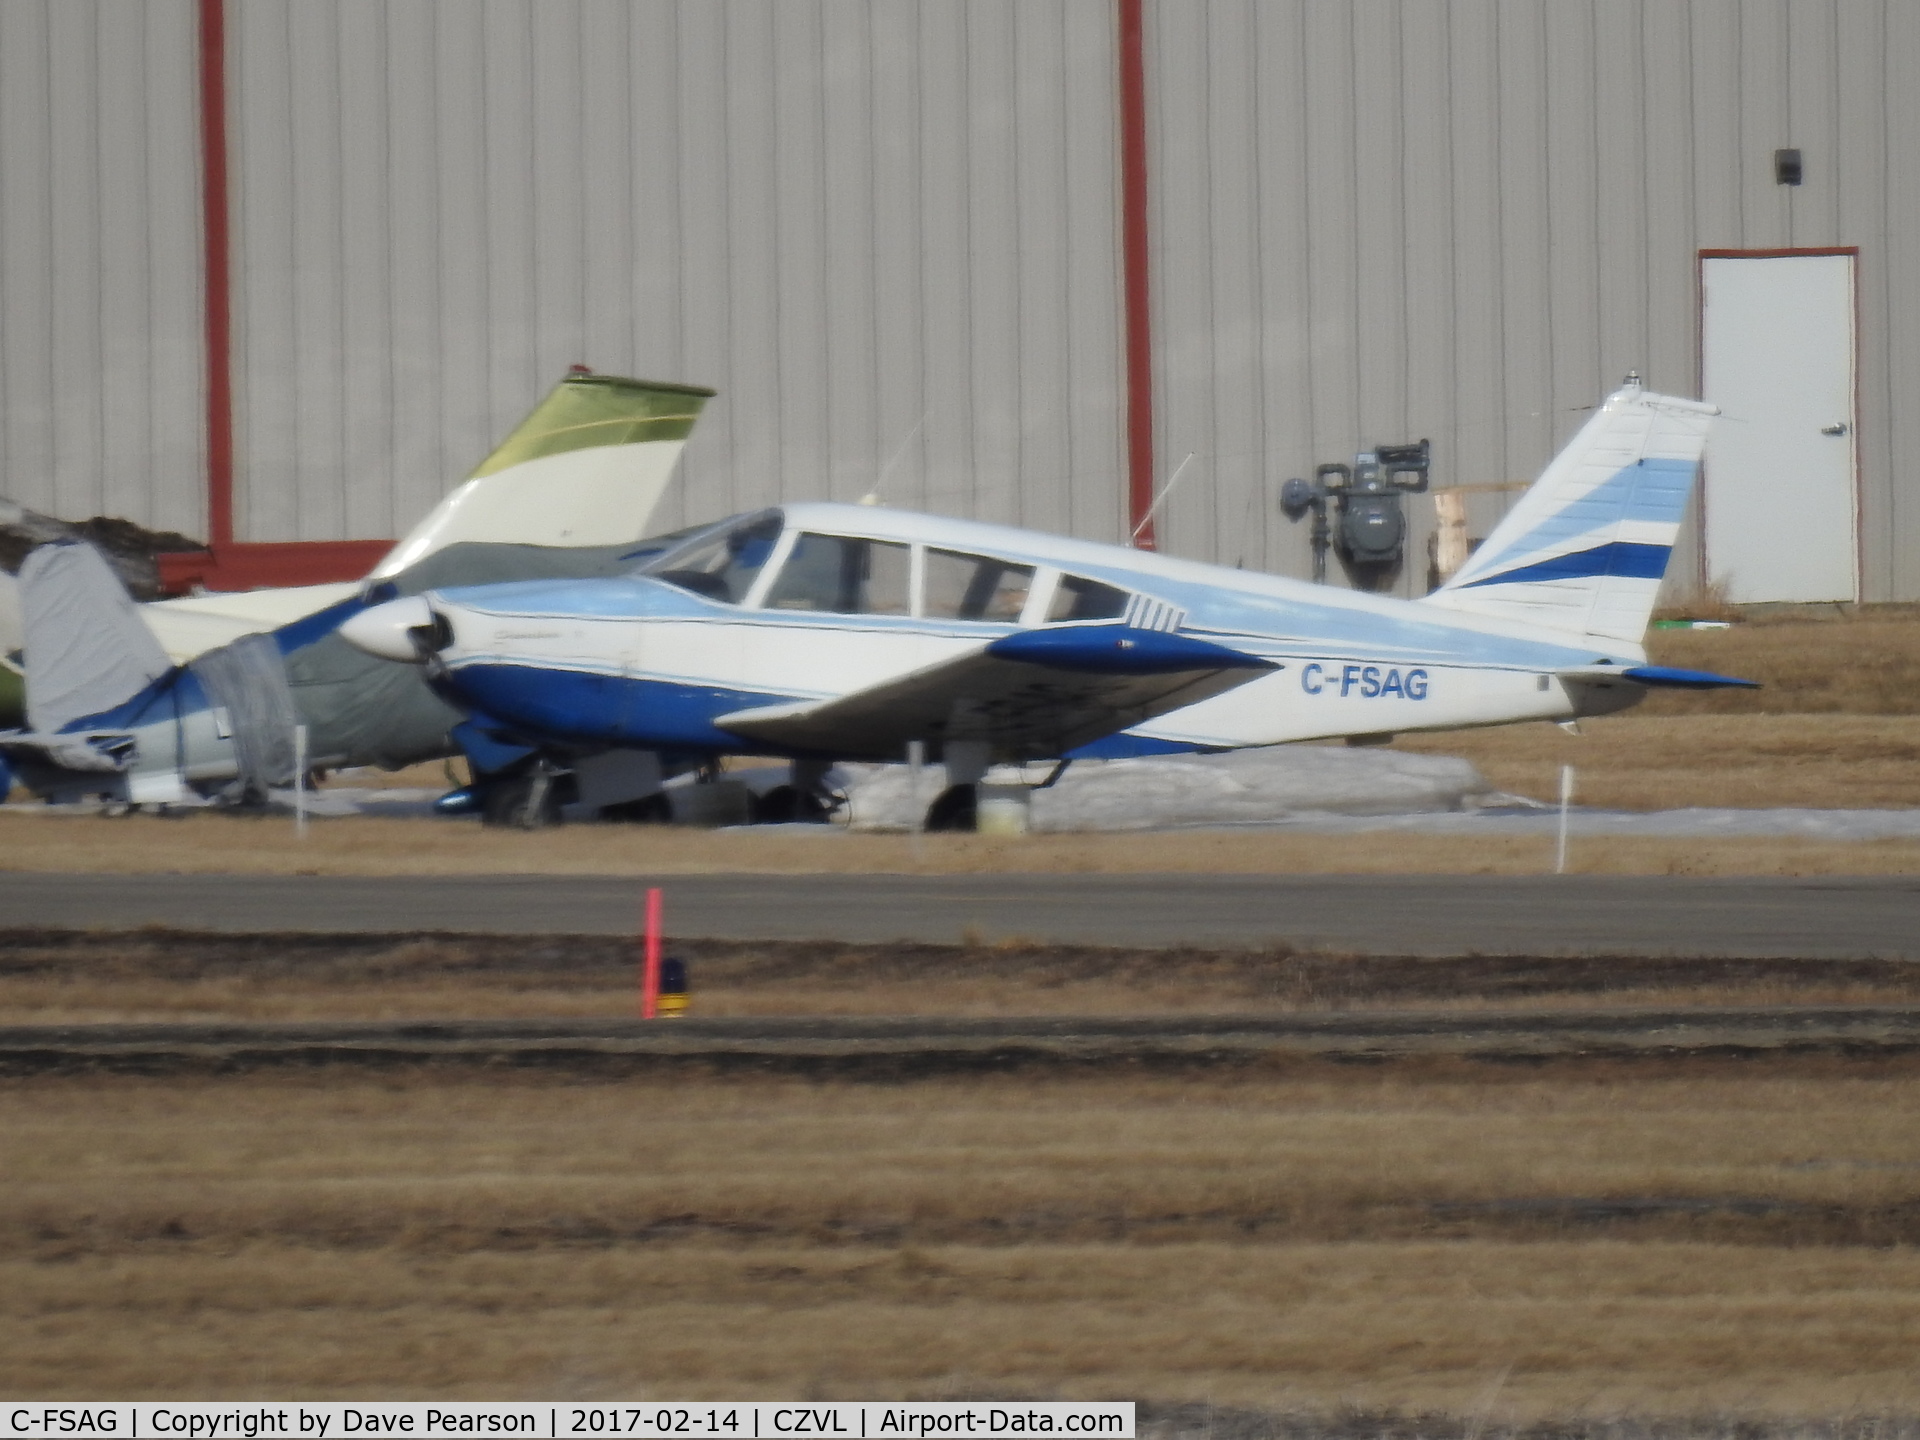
x=1369, y=526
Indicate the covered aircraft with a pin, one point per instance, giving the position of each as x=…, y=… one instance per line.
x=823, y=632
x=111, y=713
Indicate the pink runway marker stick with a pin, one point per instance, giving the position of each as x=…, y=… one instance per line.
x=650, y=969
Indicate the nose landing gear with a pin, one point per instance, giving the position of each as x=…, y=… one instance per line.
x=530, y=800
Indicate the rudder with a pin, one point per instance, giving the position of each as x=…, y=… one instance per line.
x=86, y=648
x=1586, y=548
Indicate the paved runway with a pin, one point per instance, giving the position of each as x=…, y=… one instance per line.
x=1826, y=918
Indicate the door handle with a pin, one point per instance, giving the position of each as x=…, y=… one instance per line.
x=1837, y=428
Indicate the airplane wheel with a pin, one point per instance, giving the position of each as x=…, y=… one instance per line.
x=789, y=805
x=526, y=802
x=955, y=809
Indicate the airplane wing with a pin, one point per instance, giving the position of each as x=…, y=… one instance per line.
x=1035, y=694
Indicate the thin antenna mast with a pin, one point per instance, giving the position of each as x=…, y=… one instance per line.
x=872, y=497
x=1160, y=499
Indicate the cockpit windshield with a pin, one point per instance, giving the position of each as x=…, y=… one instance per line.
x=718, y=561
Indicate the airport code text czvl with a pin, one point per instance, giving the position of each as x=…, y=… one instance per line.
x=746, y=1420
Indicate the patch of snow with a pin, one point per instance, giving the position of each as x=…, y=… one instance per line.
x=1696, y=823
x=1237, y=788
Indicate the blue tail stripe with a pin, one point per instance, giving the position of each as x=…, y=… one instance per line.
x=1622, y=559
x=1651, y=490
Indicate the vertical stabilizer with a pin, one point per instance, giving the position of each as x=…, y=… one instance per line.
x=586, y=467
x=1585, y=549
x=87, y=649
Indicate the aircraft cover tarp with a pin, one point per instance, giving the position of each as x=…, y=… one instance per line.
x=1241, y=787
x=248, y=680
x=87, y=649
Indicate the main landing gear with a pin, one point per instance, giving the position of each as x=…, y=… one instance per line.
x=979, y=800
x=627, y=786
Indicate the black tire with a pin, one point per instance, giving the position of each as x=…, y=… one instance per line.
x=955, y=810
x=525, y=802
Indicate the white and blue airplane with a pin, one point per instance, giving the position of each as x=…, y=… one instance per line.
x=824, y=632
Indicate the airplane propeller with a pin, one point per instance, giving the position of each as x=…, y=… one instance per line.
x=408, y=630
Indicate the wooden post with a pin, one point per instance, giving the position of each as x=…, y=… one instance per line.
x=1450, y=550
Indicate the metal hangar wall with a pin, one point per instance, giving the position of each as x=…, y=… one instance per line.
x=890, y=233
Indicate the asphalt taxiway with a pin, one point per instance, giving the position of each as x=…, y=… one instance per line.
x=1812, y=918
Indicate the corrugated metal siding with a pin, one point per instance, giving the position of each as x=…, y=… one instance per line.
x=885, y=232
x=100, y=332
x=1469, y=221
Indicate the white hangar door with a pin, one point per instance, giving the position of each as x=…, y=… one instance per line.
x=1781, y=506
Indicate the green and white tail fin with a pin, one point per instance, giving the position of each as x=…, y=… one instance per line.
x=587, y=467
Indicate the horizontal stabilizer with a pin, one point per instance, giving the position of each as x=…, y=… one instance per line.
x=103, y=752
x=1030, y=695
x=1660, y=677
x=1664, y=677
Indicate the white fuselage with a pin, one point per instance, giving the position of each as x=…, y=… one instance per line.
x=1347, y=663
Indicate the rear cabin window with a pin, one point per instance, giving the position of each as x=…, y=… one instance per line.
x=975, y=587
x=1075, y=598
x=843, y=575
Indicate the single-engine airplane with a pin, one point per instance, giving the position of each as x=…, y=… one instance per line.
x=110, y=714
x=824, y=632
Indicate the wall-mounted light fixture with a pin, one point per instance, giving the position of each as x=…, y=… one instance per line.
x=1786, y=167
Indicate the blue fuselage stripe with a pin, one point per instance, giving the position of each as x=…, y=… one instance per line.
x=606, y=709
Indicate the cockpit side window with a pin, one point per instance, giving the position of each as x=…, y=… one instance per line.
x=975, y=587
x=645, y=552
x=1077, y=598
x=844, y=575
x=721, y=563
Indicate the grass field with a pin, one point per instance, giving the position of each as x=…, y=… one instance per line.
x=1836, y=722
x=230, y=844
x=1506, y=1243
x=77, y=978
x=1666, y=1236
x=1372, y=1239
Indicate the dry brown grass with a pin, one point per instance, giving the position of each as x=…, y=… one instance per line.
x=1645, y=760
x=1836, y=724
x=164, y=976
x=1262, y=1242
x=1594, y=1328
x=1855, y=662
x=225, y=844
